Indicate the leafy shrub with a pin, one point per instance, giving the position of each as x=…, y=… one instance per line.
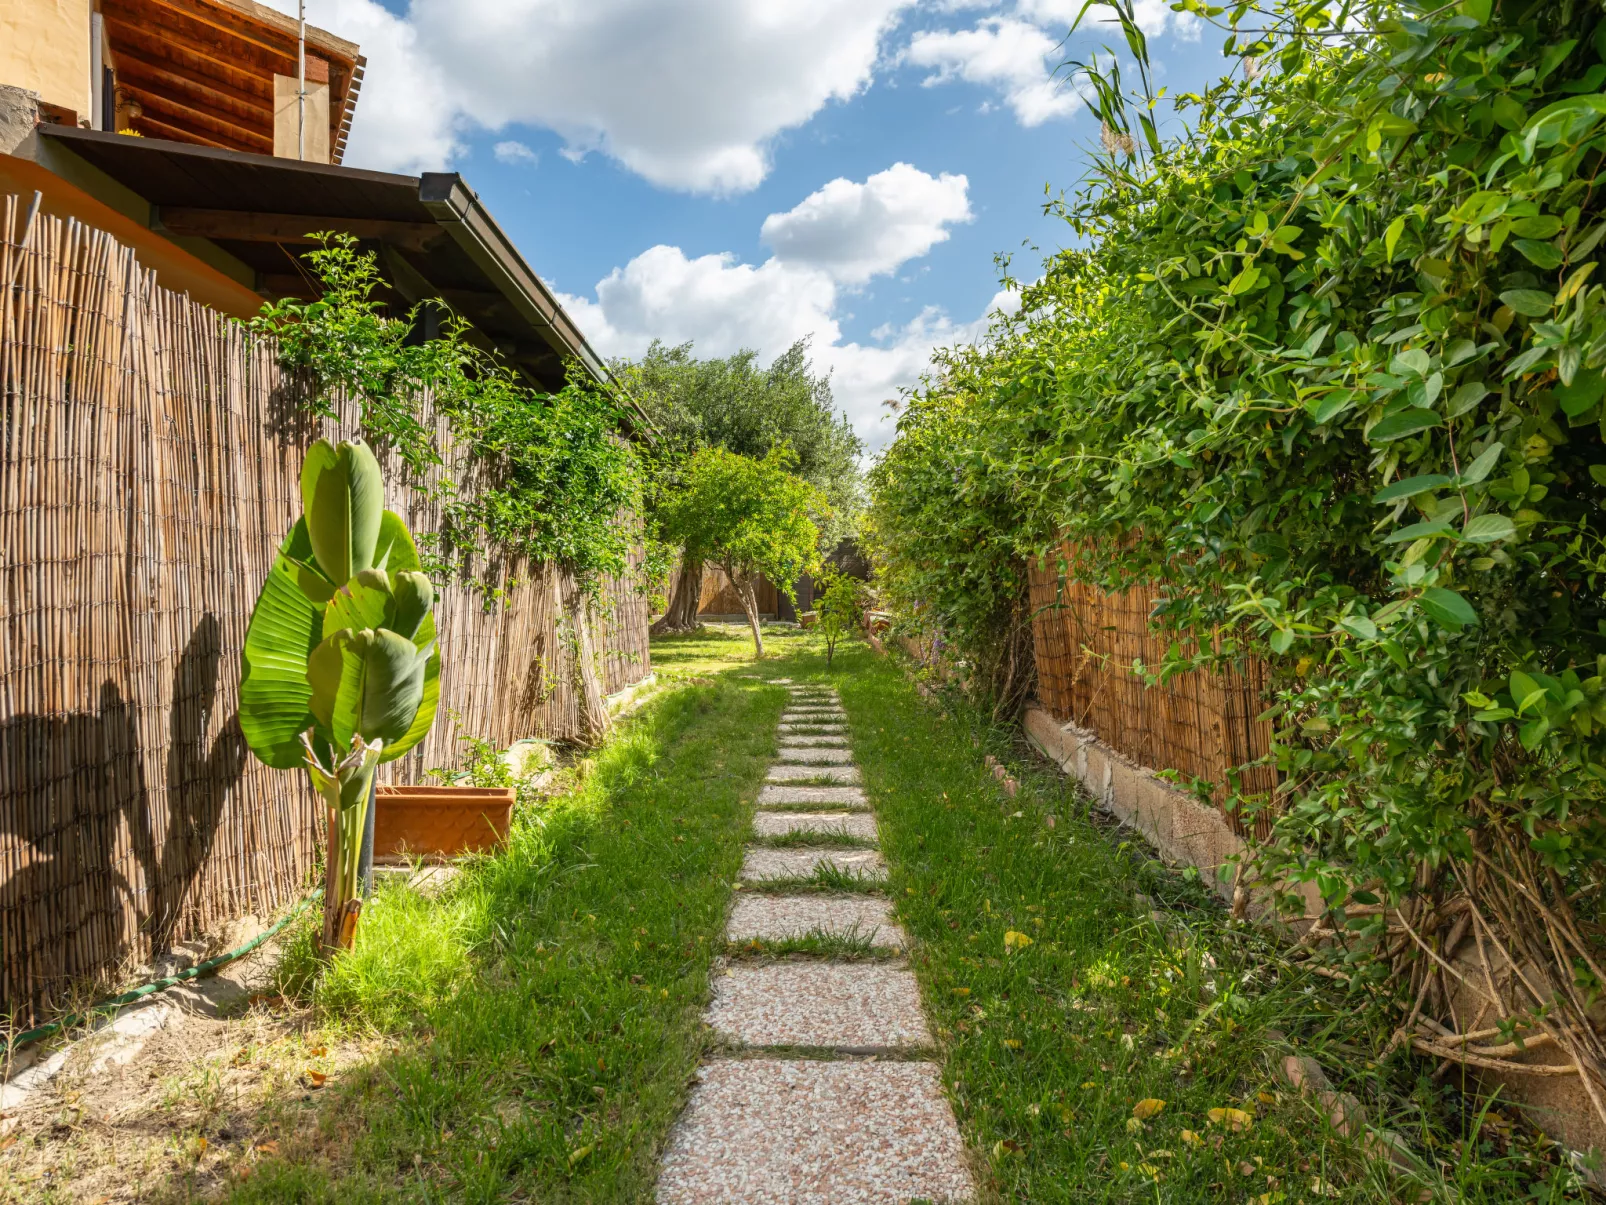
x=1329, y=367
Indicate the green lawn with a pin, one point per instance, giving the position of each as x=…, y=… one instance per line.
x=537, y=1026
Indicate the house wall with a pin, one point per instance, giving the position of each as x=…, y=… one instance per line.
x=44, y=47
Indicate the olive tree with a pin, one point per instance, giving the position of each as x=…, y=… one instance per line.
x=750, y=517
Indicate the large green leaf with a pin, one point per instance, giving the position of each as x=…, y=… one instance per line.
x=393, y=685
x=430, y=703
x=363, y=602
x=335, y=671
x=274, y=694
x=395, y=552
x=342, y=499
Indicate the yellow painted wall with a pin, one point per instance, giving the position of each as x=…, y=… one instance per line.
x=44, y=47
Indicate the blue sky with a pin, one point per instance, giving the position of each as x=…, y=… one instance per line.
x=745, y=172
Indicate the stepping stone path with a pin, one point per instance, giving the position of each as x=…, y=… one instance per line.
x=863, y=1120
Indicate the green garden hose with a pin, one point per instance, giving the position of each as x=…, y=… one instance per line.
x=194, y=972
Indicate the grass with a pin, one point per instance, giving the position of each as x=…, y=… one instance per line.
x=530, y=1034
x=1060, y=1002
x=537, y=1025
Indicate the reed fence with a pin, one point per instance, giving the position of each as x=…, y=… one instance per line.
x=149, y=455
x=1201, y=724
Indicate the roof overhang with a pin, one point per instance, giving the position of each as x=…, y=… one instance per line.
x=433, y=236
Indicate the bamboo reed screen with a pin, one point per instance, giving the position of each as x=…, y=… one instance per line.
x=1200, y=724
x=149, y=452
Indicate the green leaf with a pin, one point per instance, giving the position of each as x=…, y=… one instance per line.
x=342, y=498
x=1414, y=363
x=274, y=695
x=1411, y=487
x=1477, y=10
x=1324, y=408
x=1391, y=236
x=1427, y=530
x=1447, y=608
x=1244, y=281
x=363, y=602
x=334, y=671
x=394, y=551
x=1482, y=466
x=1281, y=640
x=1532, y=302
x=1489, y=529
x=1588, y=387
x=1466, y=397
x=1598, y=472
x=429, y=704
x=393, y=685
x=1398, y=426
x=1359, y=625
x=1525, y=692
x=1541, y=255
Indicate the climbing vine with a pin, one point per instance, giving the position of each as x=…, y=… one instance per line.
x=1328, y=366
x=542, y=476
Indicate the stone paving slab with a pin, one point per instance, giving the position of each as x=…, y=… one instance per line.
x=784, y=773
x=778, y=917
x=763, y=863
x=778, y=824
x=855, y=1006
x=813, y=709
x=804, y=1132
x=775, y=794
x=816, y=757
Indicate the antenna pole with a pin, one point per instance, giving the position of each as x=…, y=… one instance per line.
x=301, y=80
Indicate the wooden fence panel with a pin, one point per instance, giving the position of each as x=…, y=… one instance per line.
x=149, y=455
x=1200, y=723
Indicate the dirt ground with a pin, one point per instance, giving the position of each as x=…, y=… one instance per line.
x=169, y=1100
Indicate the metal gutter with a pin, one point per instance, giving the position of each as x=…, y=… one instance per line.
x=459, y=211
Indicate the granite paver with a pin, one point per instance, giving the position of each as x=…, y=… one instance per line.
x=815, y=757
x=849, y=824
x=806, y=1132
x=762, y=863
x=779, y=917
x=786, y=773
x=779, y=794
x=862, y=1006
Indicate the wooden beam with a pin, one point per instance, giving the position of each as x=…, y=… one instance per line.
x=207, y=123
x=188, y=57
x=252, y=227
x=160, y=129
x=132, y=64
x=181, y=17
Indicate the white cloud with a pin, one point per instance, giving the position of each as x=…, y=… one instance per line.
x=407, y=119
x=722, y=305
x=856, y=231
x=1013, y=56
x=689, y=94
x=1154, y=17
x=515, y=153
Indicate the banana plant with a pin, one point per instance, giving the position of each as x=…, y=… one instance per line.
x=340, y=669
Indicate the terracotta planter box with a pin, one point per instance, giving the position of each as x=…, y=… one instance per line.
x=436, y=822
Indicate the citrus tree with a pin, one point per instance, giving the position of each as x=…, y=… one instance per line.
x=752, y=518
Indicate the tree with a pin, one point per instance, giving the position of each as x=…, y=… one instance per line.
x=841, y=608
x=736, y=404
x=751, y=518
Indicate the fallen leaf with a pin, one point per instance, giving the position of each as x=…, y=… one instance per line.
x=579, y=1153
x=270, y=1147
x=1191, y=1138
x=1147, y=1108
x=1133, y=1125
x=1246, y=1169
x=316, y=1078
x=961, y=991
x=1016, y=941
x=1233, y=1119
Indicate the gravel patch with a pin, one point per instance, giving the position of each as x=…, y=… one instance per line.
x=861, y=1006
x=783, y=773
x=763, y=863
x=802, y=1132
x=774, y=795
x=778, y=824
x=778, y=917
